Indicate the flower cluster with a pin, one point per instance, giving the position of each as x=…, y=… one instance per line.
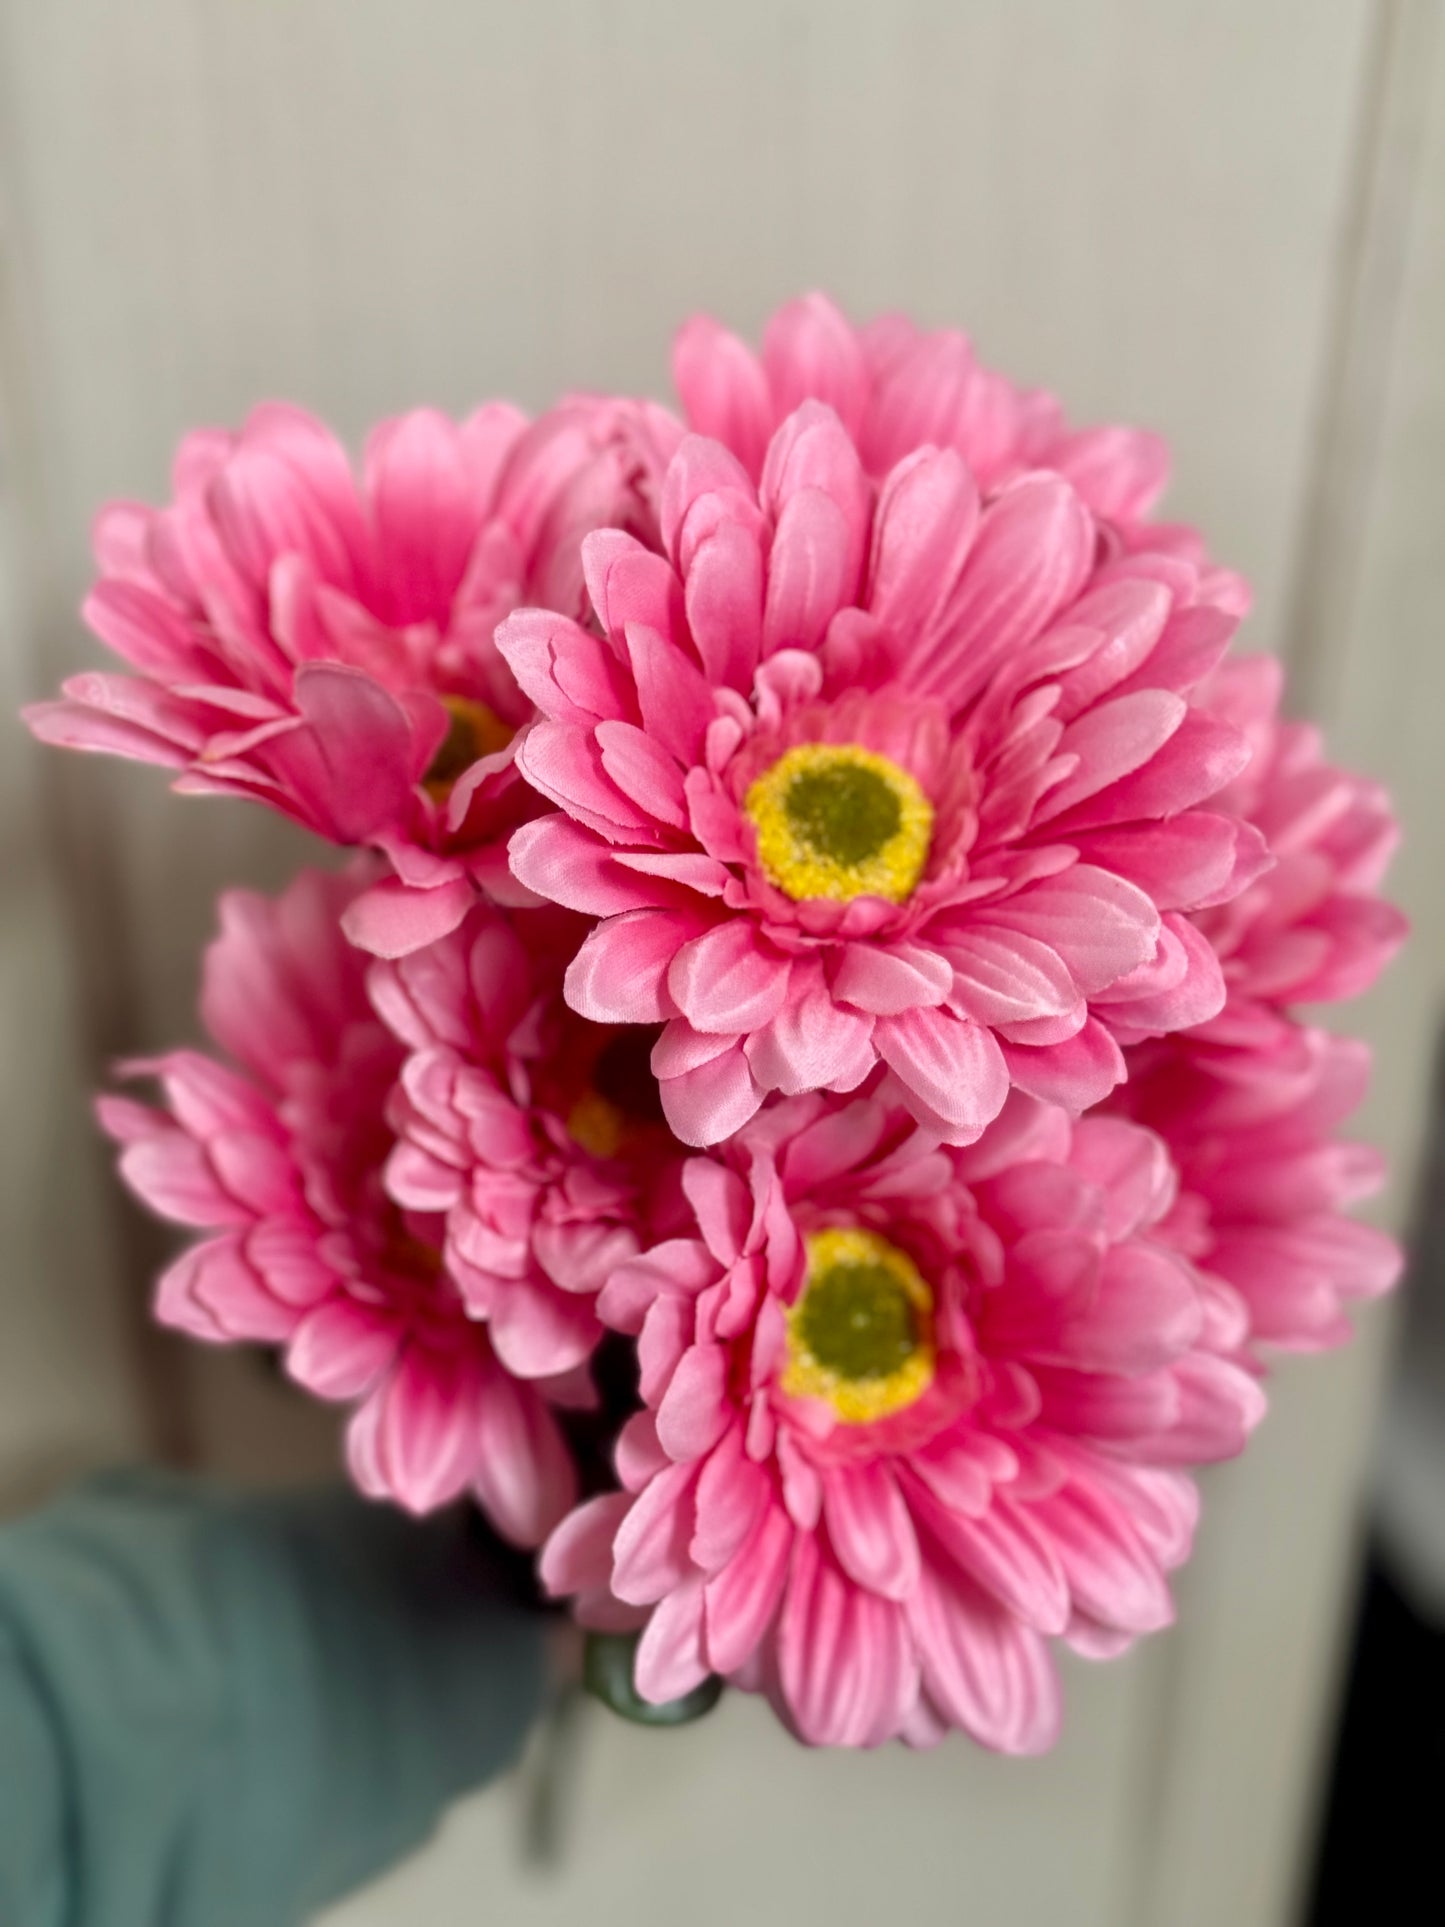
x=810, y=1048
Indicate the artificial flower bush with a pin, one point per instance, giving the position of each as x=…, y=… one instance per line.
x=817, y=1003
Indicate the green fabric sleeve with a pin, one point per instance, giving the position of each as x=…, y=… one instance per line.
x=225, y=1711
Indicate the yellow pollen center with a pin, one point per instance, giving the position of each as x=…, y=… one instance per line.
x=473, y=731
x=409, y=1254
x=598, y=1125
x=620, y=1103
x=860, y=1335
x=839, y=821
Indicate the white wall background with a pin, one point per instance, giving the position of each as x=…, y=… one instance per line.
x=1225, y=220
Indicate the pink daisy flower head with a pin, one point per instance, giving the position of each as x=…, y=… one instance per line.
x=323, y=642
x=898, y=388
x=891, y=773
x=1265, y=1180
x=536, y=1137
x=908, y=1414
x=278, y=1158
x=1313, y=928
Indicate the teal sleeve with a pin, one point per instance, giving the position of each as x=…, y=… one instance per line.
x=221, y=1711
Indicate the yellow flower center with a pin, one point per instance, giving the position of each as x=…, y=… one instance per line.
x=621, y=1101
x=474, y=731
x=598, y=1125
x=839, y=821
x=861, y=1333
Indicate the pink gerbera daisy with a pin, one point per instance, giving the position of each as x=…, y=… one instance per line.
x=1264, y=1179
x=863, y=773
x=280, y=1161
x=908, y=1413
x=515, y=1119
x=1313, y=928
x=324, y=643
x=897, y=388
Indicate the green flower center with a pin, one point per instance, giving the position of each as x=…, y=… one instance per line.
x=839, y=821
x=858, y=1321
x=861, y=1333
x=847, y=811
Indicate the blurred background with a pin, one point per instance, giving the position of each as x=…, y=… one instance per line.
x=1225, y=221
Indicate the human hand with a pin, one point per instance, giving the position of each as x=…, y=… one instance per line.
x=225, y=1710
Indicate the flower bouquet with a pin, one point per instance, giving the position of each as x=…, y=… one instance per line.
x=798, y=1103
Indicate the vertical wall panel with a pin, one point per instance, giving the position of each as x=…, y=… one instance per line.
x=1248, y=1693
